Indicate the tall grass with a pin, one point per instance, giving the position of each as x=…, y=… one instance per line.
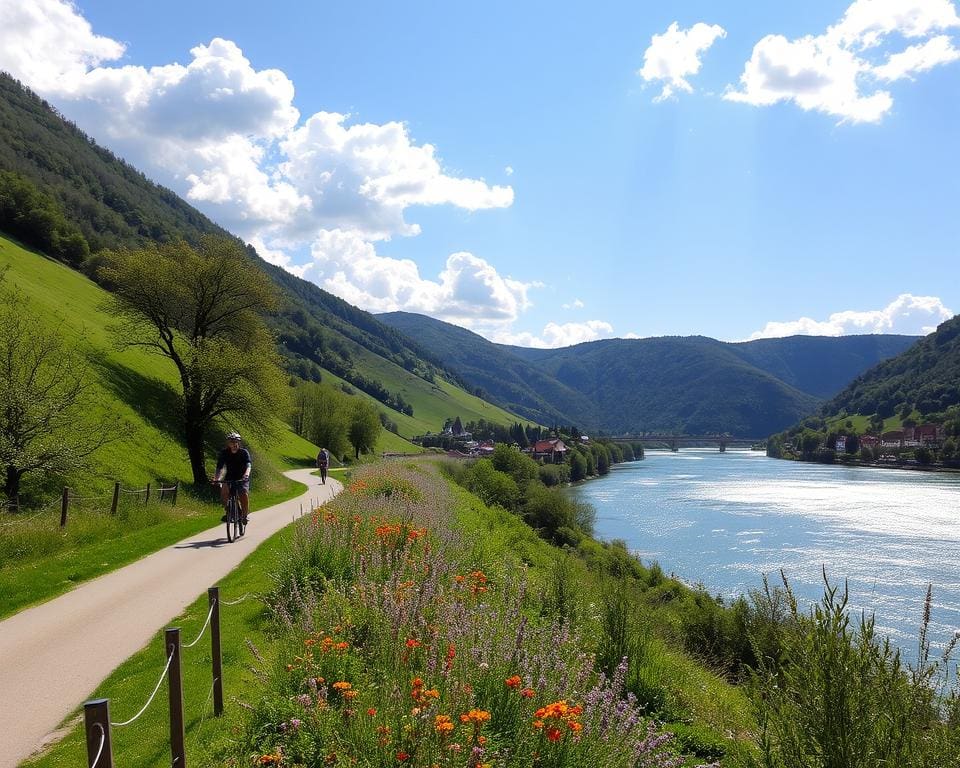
x=398, y=648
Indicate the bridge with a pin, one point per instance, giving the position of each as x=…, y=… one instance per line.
x=674, y=442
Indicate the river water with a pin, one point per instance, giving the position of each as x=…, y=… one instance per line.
x=725, y=519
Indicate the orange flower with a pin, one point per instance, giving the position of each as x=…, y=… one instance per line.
x=575, y=726
x=372, y=712
x=403, y=756
x=350, y=694
x=342, y=646
x=513, y=681
x=553, y=733
x=342, y=685
x=527, y=693
x=475, y=716
x=443, y=724
x=412, y=643
x=271, y=759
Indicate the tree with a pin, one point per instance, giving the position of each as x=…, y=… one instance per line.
x=325, y=416
x=48, y=423
x=364, y=427
x=202, y=309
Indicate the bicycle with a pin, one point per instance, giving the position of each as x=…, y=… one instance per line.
x=235, y=522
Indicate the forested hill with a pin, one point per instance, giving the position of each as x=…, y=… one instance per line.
x=692, y=384
x=62, y=193
x=500, y=375
x=925, y=379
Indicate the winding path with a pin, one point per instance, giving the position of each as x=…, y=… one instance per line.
x=54, y=654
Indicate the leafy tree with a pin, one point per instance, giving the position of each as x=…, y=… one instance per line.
x=323, y=414
x=364, y=427
x=202, y=309
x=578, y=466
x=47, y=421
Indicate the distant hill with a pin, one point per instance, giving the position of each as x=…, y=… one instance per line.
x=689, y=384
x=924, y=378
x=320, y=335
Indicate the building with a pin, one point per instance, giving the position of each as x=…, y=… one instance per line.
x=552, y=451
x=892, y=439
x=841, y=444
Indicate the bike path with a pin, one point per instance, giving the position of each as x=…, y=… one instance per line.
x=54, y=654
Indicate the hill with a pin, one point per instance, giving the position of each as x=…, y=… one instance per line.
x=113, y=205
x=923, y=379
x=693, y=384
x=507, y=378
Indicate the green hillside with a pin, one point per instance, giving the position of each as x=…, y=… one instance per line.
x=133, y=384
x=113, y=205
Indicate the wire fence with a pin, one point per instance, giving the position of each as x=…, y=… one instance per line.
x=97, y=722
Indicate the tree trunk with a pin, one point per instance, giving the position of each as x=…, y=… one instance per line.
x=11, y=486
x=194, y=440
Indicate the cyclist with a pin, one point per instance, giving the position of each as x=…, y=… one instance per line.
x=233, y=463
x=323, y=462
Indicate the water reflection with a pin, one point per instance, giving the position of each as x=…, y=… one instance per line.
x=726, y=519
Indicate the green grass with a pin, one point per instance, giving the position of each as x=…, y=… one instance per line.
x=862, y=423
x=146, y=742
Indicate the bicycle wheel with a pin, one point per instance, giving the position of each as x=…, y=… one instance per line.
x=231, y=517
x=241, y=526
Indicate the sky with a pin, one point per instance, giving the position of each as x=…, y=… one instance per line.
x=543, y=173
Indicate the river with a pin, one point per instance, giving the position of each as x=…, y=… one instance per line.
x=725, y=519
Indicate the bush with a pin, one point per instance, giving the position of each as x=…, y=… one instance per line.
x=554, y=474
x=491, y=486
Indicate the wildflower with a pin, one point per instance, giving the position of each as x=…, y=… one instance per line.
x=475, y=716
x=575, y=726
x=527, y=693
x=553, y=733
x=442, y=724
x=372, y=712
x=342, y=646
x=403, y=757
x=342, y=685
x=350, y=694
x=411, y=643
x=304, y=700
x=295, y=723
x=513, y=681
x=271, y=759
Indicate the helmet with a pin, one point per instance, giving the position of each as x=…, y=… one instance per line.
x=234, y=436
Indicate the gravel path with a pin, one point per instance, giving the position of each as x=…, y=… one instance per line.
x=52, y=656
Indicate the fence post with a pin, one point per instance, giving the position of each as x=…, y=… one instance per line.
x=213, y=599
x=177, y=750
x=176, y=487
x=64, y=503
x=96, y=724
x=116, y=498
x=147, y=499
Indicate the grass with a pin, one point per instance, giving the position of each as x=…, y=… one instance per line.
x=95, y=543
x=146, y=742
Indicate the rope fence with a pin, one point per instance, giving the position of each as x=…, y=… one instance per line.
x=97, y=722
x=68, y=497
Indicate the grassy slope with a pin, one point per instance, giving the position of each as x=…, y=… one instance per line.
x=136, y=385
x=499, y=540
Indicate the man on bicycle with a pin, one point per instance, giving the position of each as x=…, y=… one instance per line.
x=233, y=464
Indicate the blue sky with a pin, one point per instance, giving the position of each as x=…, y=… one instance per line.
x=541, y=174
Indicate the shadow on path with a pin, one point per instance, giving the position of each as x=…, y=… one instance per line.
x=202, y=544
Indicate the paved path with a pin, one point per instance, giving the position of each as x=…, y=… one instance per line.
x=52, y=656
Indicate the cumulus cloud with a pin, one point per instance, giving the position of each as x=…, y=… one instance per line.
x=575, y=304
x=556, y=335
x=312, y=195
x=43, y=42
x=468, y=291
x=906, y=314
x=676, y=54
x=839, y=71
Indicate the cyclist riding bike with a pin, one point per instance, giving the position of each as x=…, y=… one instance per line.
x=233, y=464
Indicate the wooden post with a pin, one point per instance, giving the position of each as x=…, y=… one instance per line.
x=116, y=498
x=213, y=599
x=175, y=679
x=176, y=487
x=64, y=503
x=147, y=499
x=96, y=725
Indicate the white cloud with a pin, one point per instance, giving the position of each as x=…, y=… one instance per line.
x=575, y=304
x=227, y=136
x=556, y=335
x=838, y=71
x=918, y=58
x=906, y=314
x=468, y=291
x=508, y=170
x=44, y=41
x=675, y=55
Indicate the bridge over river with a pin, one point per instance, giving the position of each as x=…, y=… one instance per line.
x=674, y=442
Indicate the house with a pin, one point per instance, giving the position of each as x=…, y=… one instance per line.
x=485, y=448
x=927, y=434
x=551, y=451
x=892, y=439
x=841, y=444
x=869, y=441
